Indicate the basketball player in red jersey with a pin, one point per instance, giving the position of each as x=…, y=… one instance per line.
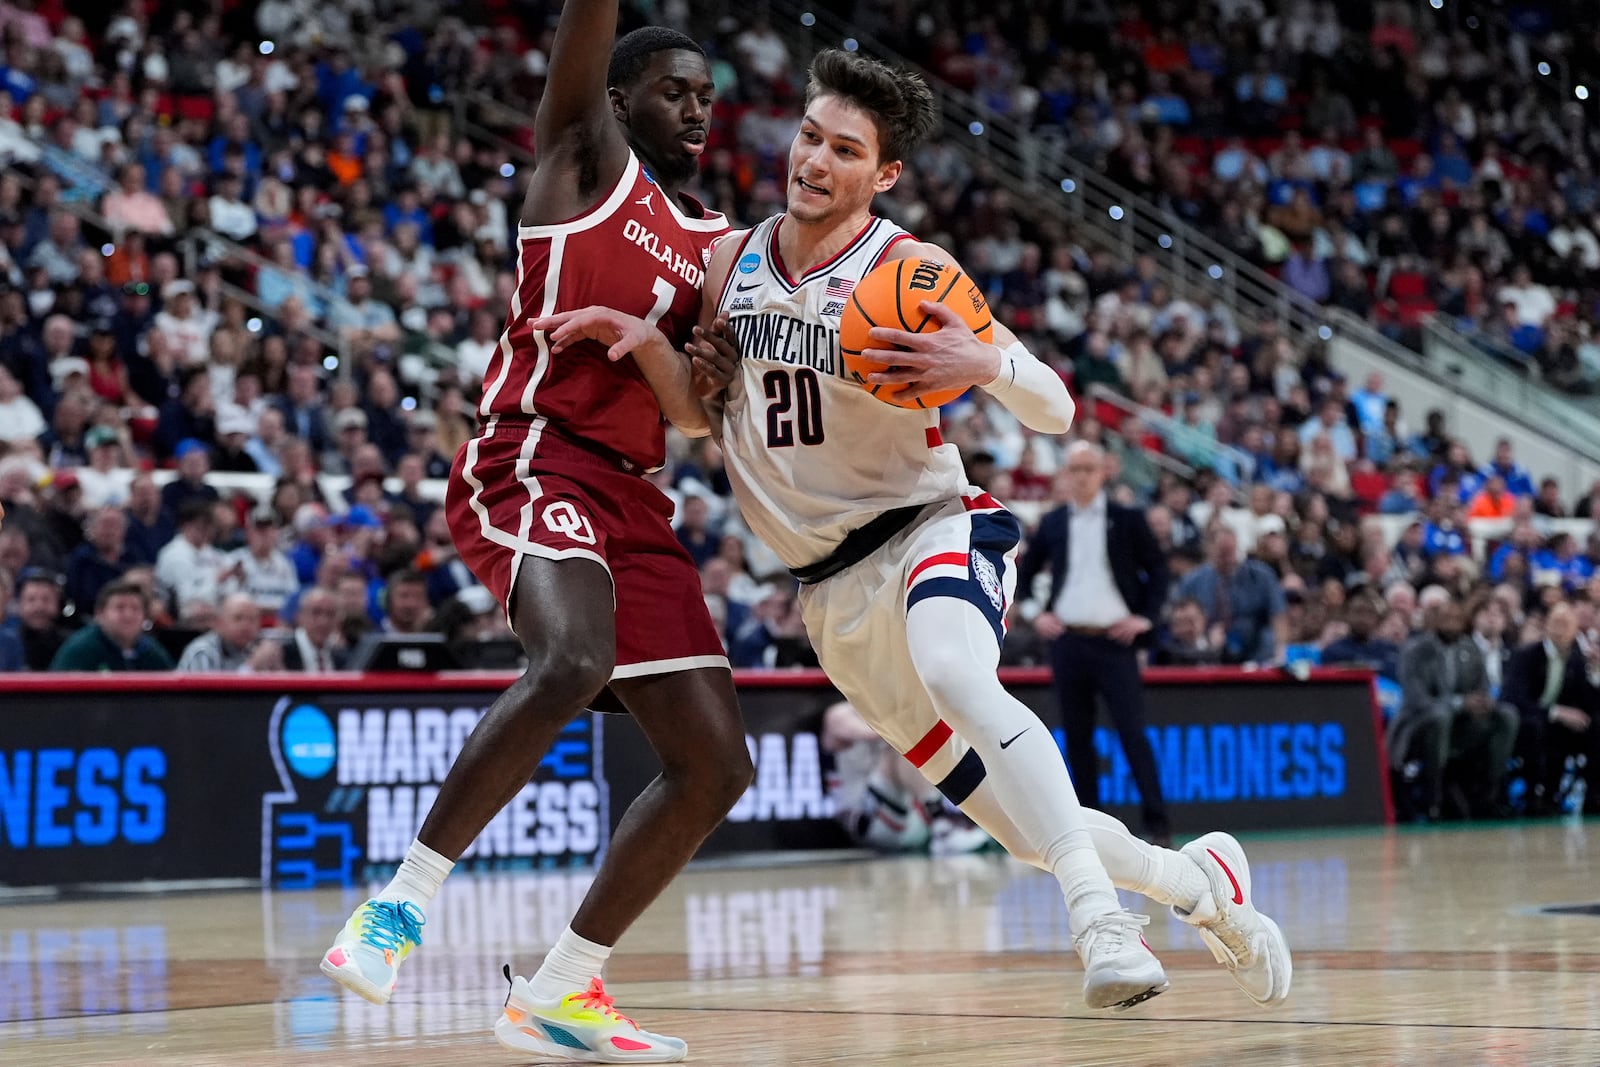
x=550, y=508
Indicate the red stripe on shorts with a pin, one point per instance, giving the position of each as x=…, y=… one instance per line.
x=980, y=502
x=932, y=742
x=955, y=559
x=935, y=439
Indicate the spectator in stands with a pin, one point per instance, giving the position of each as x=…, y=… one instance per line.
x=1243, y=601
x=1448, y=717
x=13, y=657
x=260, y=570
x=1488, y=633
x=194, y=464
x=1183, y=642
x=1362, y=647
x=302, y=408
x=406, y=608
x=695, y=531
x=1531, y=301
x=1444, y=533
x=1555, y=686
x=116, y=640
x=102, y=558
x=366, y=324
x=20, y=418
x=37, y=622
x=315, y=644
x=1517, y=481
x=188, y=568
x=131, y=205
x=1492, y=501
x=1516, y=553
x=150, y=524
x=1548, y=501
x=233, y=644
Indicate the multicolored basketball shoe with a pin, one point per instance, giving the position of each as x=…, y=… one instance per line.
x=580, y=1027
x=1242, y=939
x=1120, y=970
x=367, y=955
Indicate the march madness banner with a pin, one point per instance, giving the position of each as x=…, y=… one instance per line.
x=135, y=778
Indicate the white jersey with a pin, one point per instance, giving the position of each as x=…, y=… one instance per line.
x=810, y=454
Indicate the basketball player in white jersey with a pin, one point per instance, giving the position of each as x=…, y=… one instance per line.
x=906, y=570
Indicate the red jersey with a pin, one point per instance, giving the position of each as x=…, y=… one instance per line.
x=636, y=252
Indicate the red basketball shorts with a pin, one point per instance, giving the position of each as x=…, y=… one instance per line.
x=519, y=490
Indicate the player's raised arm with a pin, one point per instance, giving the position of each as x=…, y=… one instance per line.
x=953, y=357
x=581, y=149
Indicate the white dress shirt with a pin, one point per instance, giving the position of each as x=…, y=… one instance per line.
x=1089, y=596
x=1491, y=660
x=312, y=658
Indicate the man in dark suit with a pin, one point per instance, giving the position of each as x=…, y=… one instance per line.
x=314, y=645
x=1447, y=715
x=1555, y=688
x=1108, y=581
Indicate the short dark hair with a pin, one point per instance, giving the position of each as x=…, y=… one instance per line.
x=633, y=51
x=900, y=102
x=194, y=509
x=407, y=576
x=120, y=588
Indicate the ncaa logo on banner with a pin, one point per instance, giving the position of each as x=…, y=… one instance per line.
x=359, y=772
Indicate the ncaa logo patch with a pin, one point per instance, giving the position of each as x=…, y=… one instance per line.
x=989, y=579
x=749, y=262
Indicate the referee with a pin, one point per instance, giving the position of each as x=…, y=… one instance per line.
x=1108, y=581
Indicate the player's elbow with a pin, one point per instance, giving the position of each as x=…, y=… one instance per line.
x=1056, y=414
x=692, y=427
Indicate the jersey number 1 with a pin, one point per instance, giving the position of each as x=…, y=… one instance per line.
x=803, y=396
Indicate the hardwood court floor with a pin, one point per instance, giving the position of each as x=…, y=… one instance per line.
x=1414, y=948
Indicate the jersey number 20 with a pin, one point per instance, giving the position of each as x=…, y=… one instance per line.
x=803, y=397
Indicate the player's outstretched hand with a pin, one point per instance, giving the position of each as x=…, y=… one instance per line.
x=715, y=357
x=622, y=333
x=950, y=357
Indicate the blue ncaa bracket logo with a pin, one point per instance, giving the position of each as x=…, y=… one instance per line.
x=749, y=262
x=308, y=741
x=299, y=847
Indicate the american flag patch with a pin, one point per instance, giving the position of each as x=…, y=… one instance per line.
x=838, y=288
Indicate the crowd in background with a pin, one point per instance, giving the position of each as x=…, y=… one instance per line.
x=1381, y=159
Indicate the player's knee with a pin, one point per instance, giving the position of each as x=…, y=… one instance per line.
x=569, y=674
x=728, y=773
x=732, y=781
x=954, y=683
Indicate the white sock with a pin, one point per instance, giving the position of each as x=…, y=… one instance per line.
x=955, y=653
x=568, y=966
x=421, y=874
x=1165, y=876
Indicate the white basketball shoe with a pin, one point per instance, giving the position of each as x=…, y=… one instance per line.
x=1242, y=939
x=1120, y=970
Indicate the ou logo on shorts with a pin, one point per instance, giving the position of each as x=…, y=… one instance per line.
x=562, y=518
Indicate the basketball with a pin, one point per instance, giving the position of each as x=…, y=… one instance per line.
x=891, y=295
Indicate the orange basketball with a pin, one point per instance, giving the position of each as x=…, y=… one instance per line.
x=892, y=295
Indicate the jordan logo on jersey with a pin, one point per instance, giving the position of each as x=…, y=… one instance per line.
x=645, y=202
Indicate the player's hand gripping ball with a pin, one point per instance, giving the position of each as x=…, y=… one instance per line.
x=891, y=295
